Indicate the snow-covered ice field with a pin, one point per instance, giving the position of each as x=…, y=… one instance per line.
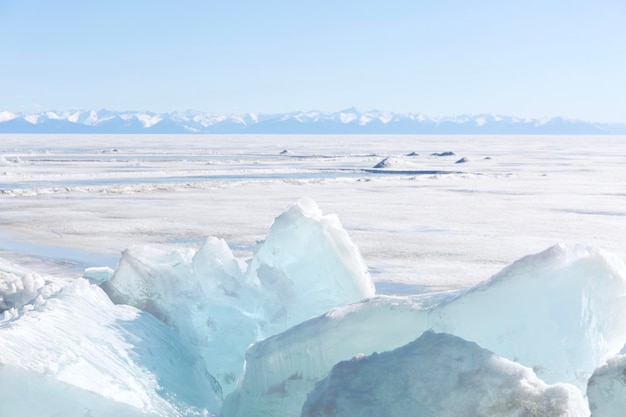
x=163, y=323
x=424, y=220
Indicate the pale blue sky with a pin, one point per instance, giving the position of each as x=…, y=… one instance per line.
x=536, y=58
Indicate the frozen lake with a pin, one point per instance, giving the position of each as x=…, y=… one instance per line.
x=73, y=201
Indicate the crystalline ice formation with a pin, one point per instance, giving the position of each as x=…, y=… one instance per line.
x=306, y=266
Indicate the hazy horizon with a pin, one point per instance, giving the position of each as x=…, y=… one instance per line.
x=352, y=109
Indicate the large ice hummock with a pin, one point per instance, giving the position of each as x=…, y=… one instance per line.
x=439, y=375
x=560, y=312
x=306, y=265
x=66, y=349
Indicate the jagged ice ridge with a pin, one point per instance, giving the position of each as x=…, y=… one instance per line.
x=528, y=342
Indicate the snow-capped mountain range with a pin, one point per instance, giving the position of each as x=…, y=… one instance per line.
x=348, y=121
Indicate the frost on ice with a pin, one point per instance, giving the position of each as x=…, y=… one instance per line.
x=306, y=265
x=65, y=339
x=439, y=375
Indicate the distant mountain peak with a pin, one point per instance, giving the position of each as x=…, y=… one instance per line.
x=347, y=121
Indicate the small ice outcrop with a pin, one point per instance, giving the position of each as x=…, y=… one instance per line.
x=306, y=265
x=98, y=274
x=606, y=389
x=439, y=375
x=447, y=153
x=388, y=162
x=462, y=160
x=395, y=163
x=412, y=154
x=4, y=162
x=19, y=287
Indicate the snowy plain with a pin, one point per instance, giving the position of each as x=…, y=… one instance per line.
x=86, y=198
x=423, y=219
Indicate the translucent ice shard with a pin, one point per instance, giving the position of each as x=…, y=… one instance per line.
x=306, y=266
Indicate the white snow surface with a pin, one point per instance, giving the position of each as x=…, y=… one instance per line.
x=104, y=193
x=306, y=265
x=559, y=312
x=607, y=389
x=70, y=351
x=439, y=375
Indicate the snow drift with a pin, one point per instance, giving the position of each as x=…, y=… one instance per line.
x=65, y=339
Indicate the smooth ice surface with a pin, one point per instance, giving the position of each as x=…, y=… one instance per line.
x=306, y=265
x=607, y=389
x=439, y=375
x=25, y=393
x=70, y=342
x=559, y=312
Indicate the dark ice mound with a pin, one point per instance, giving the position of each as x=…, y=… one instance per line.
x=448, y=153
x=439, y=375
